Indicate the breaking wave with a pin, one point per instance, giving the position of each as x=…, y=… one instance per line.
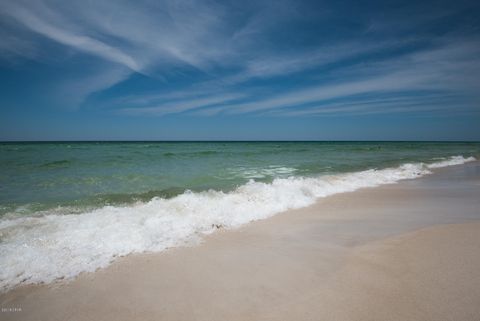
x=55, y=246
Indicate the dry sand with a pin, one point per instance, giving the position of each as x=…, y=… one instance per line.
x=409, y=251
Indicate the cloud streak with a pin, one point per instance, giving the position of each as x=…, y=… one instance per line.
x=181, y=105
x=452, y=67
x=80, y=42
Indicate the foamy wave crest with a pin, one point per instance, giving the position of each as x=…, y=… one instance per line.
x=257, y=173
x=50, y=247
x=454, y=160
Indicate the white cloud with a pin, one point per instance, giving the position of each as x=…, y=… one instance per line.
x=63, y=36
x=182, y=105
x=71, y=93
x=452, y=67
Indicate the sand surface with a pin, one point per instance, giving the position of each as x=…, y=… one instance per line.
x=409, y=251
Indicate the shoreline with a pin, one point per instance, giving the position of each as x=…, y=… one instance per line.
x=290, y=259
x=64, y=246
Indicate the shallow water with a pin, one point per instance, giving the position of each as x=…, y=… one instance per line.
x=75, y=207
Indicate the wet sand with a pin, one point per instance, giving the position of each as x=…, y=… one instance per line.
x=408, y=251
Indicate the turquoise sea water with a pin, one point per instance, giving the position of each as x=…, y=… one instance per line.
x=68, y=208
x=76, y=176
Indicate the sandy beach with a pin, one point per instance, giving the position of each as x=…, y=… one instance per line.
x=407, y=251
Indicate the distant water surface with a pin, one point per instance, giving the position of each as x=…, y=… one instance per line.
x=39, y=176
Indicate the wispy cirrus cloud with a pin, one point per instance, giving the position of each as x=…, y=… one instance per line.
x=155, y=39
x=394, y=102
x=182, y=105
x=80, y=42
x=451, y=67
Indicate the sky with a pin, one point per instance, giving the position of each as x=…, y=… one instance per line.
x=239, y=70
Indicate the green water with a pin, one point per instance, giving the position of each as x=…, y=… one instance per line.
x=78, y=175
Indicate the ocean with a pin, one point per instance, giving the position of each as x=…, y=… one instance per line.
x=73, y=207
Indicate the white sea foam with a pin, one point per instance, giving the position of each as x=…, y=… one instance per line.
x=454, y=160
x=46, y=248
x=257, y=173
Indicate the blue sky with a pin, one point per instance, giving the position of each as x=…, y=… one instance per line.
x=239, y=70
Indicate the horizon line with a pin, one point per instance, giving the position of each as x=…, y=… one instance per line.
x=236, y=141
